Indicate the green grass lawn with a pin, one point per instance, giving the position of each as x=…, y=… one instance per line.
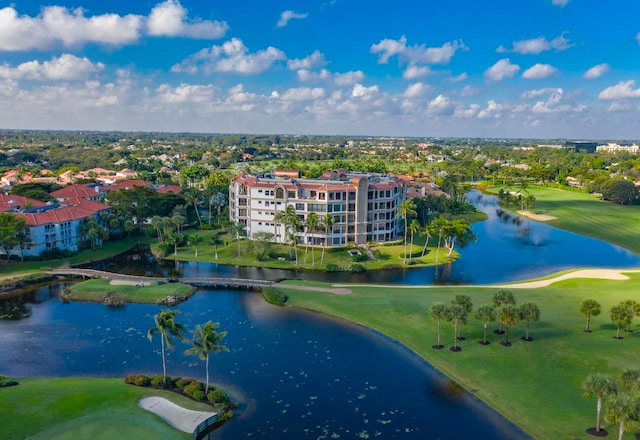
x=109, y=249
x=587, y=215
x=94, y=290
x=535, y=384
x=87, y=408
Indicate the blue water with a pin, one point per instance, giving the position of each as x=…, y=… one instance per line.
x=297, y=374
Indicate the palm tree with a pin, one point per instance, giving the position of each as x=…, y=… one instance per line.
x=457, y=316
x=634, y=310
x=463, y=301
x=623, y=408
x=438, y=312
x=630, y=380
x=437, y=226
x=191, y=197
x=619, y=315
x=206, y=340
x=414, y=227
x=529, y=313
x=600, y=386
x=238, y=230
x=166, y=326
x=312, y=223
x=589, y=308
x=405, y=210
x=427, y=233
x=500, y=299
x=216, y=241
x=485, y=314
x=509, y=317
x=328, y=221
x=194, y=240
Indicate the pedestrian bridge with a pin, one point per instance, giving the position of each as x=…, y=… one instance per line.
x=196, y=282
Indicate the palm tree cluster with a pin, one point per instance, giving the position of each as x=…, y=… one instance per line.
x=503, y=309
x=621, y=315
x=619, y=397
x=206, y=339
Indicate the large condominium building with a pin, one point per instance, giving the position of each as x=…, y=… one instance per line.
x=364, y=206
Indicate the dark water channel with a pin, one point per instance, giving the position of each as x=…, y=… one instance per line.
x=299, y=374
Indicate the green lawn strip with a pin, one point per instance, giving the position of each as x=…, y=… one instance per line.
x=70, y=408
x=94, y=290
x=535, y=384
x=110, y=249
x=587, y=215
x=228, y=254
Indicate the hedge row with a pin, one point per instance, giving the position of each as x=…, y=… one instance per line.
x=189, y=387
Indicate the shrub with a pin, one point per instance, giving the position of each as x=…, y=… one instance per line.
x=138, y=379
x=225, y=416
x=274, y=296
x=181, y=383
x=360, y=257
x=357, y=268
x=217, y=396
x=6, y=382
x=156, y=381
x=414, y=261
x=193, y=388
x=331, y=267
x=198, y=395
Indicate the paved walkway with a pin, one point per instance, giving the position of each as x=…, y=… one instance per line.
x=185, y=420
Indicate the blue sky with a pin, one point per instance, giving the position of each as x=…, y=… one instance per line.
x=461, y=68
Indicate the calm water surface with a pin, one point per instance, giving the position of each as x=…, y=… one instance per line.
x=298, y=374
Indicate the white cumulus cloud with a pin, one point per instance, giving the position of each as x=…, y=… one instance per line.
x=560, y=3
x=316, y=59
x=185, y=93
x=539, y=71
x=288, y=15
x=622, y=90
x=596, y=71
x=416, y=54
x=440, y=106
x=65, y=67
x=56, y=25
x=413, y=71
x=231, y=56
x=348, y=78
x=303, y=94
x=537, y=45
x=416, y=90
x=501, y=70
x=170, y=19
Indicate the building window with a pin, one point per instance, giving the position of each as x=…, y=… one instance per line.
x=299, y=206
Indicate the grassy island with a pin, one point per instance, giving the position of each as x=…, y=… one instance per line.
x=98, y=289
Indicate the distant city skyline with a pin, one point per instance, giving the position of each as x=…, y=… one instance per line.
x=543, y=69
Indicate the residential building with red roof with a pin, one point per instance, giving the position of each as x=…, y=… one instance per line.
x=364, y=206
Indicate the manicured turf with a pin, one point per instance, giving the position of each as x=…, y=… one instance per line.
x=535, y=384
x=587, y=215
x=87, y=408
x=94, y=290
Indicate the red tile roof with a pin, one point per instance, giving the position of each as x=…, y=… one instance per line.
x=7, y=205
x=169, y=188
x=77, y=209
x=73, y=191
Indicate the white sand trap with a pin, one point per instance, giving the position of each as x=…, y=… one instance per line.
x=537, y=217
x=185, y=420
x=603, y=274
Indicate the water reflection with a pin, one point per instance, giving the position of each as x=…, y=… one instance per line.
x=298, y=374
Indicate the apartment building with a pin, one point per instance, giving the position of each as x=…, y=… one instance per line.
x=364, y=206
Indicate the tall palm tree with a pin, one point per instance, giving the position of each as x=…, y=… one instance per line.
x=633, y=310
x=216, y=241
x=406, y=209
x=438, y=312
x=238, y=230
x=619, y=315
x=463, y=301
x=589, y=308
x=327, y=221
x=194, y=240
x=529, y=313
x=509, y=316
x=457, y=316
x=427, y=233
x=206, y=340
x=192, y=197
x=600, y=386
x=414, y=227
x=312, y=224
x=622, y=408
x=165, y=324
x=485, y=314
x=500, y=299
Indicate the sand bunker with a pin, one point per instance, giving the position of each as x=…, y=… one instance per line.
x=185, y=420
x=537, y=217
